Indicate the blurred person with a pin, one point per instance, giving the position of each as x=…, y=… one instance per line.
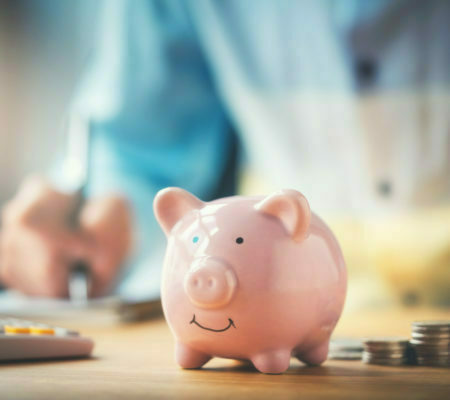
x=346, y=101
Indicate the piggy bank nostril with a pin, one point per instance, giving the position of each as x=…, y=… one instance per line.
x=211, y=282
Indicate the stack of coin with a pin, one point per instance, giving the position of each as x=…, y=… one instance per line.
x=386, y=351
x=345, y=349
x=431, y=343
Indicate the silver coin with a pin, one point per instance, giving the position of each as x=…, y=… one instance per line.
x=402, y=344
x=431, y=330
x=387, y=345
x=386, y=340
x=366, y=354
x=424, y=342
x=391, y=362
x=431, y=350
x=386, y=355
x=387, y=350
x=383, y=355
x=429, y=339
x=433, y=333
x=433, y=362
x=432, y=354
x=387, y=363
x=431, y=324
x=430, y=347
x=433, y=357
x=344, y=355
x=432, y=343
x=346, y=344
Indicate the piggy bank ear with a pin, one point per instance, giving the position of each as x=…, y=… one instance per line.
x=172, y=204
x=291, y=208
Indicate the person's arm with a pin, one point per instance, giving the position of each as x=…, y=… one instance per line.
x=157, y=121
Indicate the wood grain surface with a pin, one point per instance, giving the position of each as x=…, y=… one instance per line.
x=135, y=361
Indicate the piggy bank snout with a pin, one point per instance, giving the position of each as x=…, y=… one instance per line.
x=210, y=283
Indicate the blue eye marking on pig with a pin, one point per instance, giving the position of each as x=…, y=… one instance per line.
x=195, y=239
x=239, y=240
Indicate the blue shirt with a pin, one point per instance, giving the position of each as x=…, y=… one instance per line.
x=170, y=78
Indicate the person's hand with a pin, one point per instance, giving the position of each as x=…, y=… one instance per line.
x=106, y=224
x=38, y=245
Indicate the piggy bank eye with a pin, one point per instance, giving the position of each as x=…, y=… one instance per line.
x=239, y=240
x=195, y=239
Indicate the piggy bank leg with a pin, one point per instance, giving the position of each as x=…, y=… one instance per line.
x=272, y=362
x=315, y=356
x=190, y=358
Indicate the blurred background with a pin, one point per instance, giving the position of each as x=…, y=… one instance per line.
x=44, y=48
x=356, y=116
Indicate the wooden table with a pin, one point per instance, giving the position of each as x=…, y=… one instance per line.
x=136, y=361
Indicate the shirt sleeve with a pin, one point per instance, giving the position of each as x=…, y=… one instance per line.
x=156, y=121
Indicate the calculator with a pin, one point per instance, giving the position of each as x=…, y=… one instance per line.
x=27, y=340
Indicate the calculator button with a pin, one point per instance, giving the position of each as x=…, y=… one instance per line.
x=65, y=332
x=13, y=330
x=41, y=330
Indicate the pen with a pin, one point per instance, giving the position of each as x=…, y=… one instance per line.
x=78, y=162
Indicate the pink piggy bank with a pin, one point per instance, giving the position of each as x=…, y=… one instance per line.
x=256, y=278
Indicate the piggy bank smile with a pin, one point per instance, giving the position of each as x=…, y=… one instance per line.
x=230, y=324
